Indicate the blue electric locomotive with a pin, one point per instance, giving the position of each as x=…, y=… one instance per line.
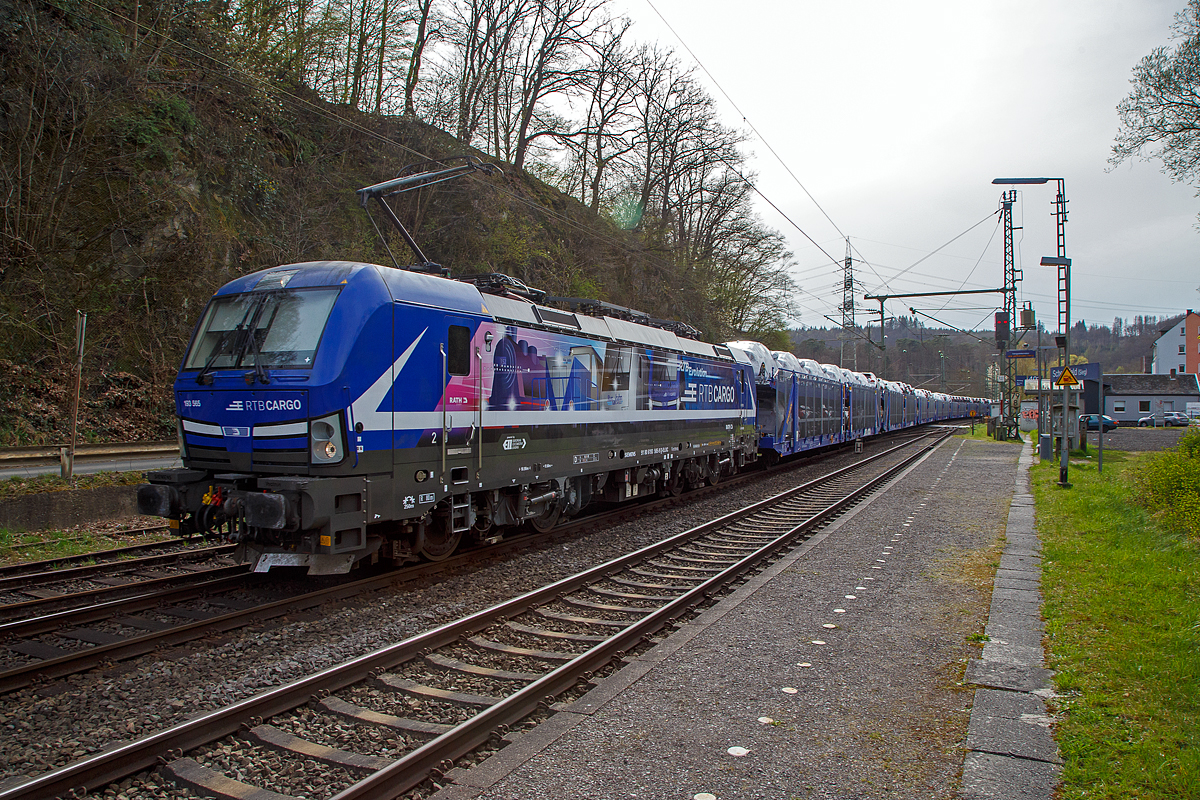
x=331, y=412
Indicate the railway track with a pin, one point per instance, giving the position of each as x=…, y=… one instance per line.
x=54, y=634
x=100, y=562
x=438, y=696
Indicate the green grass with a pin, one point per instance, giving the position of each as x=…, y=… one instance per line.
x=1123, y=619
x=981, y=433
x=18, y=548
x=43, y=545
x=37, y=484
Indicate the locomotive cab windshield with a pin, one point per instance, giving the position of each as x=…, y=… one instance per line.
x=280, y=328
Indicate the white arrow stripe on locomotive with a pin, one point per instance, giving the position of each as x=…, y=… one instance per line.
x=366, y=408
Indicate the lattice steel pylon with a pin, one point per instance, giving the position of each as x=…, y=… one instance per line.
x=1064, y=280
x=1009, y=403
x=847, y=309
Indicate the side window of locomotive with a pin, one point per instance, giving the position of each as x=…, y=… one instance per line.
x=458, y=354
x=617, y=362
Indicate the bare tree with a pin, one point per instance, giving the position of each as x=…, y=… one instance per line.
x=610, y=124
x=1162, y=112
x=481, y=34
x=421, y=38
x=550, y=62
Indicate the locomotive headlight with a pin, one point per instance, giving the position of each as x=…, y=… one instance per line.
x=326, y=436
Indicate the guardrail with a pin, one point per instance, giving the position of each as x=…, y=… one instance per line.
x=49, y=455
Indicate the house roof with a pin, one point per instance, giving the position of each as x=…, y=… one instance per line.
x=1168, y=324
x=1182, y=384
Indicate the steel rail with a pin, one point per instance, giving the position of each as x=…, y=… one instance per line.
x=20, y=567
x=15, y=582
x=25, y=609
x=219, y=579
x=414, y=767
x=25, y=675
x=125, y=759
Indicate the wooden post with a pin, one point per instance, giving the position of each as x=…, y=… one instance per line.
x=68, y=467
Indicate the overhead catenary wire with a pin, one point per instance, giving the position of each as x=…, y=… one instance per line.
x=991, y=239
x=778, y=158
x=948, y=325
x=745, y=119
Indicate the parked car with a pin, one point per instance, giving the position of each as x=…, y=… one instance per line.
x=1093, y=422
x=1168, y=419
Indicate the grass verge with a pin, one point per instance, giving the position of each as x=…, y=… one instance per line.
x=23, y=546
x=38, y=484
x=979, y=432
x=26, y=546
x=1122, y=606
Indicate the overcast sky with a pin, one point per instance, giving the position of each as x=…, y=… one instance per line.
x=896, y=117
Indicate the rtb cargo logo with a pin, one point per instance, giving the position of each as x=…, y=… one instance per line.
x=264, y=405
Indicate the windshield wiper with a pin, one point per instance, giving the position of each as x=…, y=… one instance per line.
x=227, y=344
x=260, y=372
x=224, y=347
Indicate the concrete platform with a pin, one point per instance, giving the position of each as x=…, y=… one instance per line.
x=839, y=672
x=1013, y=752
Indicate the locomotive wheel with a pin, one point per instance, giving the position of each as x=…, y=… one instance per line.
x=714, y=472
x=673, y=487
x=438, y=541
x=547, y=519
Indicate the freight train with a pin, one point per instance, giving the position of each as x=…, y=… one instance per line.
x=335, y=412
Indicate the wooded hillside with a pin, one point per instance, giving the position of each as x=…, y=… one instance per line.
x=153, y=150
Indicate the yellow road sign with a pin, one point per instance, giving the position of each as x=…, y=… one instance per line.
x=1066, y=379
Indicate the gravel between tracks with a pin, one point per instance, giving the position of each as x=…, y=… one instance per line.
x=50, y=726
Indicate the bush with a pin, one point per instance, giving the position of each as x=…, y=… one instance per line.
x=1169, y=483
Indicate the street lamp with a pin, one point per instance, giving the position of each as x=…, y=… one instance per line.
x=1064, y=294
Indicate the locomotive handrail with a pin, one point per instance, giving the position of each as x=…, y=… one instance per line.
x=445, y=429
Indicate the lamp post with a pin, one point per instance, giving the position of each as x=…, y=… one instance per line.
x=1064, y=295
